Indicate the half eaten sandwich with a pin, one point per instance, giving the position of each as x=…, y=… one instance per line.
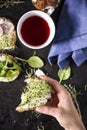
x=7, y=34
x=36, y=92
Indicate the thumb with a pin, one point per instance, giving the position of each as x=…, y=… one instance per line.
x=48, y=110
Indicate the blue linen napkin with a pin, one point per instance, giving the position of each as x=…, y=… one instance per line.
x=70, y=40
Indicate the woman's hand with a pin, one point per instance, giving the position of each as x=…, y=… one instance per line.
x=61, y=107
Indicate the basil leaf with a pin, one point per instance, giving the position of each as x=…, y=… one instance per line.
x=64, y=74
x=35, y=62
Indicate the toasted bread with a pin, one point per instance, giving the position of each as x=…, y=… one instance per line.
x=40, y=4
x=7, y=34
x=36, y=93
x=45, y=4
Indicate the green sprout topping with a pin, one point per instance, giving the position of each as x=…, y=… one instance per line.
x=6, y=41
x=71, y=89
x=36, y=93
x=40, y=127
x=8, y=3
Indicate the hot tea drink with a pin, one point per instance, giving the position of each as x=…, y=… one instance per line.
x=35, y=30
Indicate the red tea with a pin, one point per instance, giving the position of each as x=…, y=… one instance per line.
x=35, y=30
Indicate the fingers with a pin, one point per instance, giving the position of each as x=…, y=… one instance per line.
x=53, y=83
x=48, y=110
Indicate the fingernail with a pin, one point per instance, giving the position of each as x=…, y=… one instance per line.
x=38, y=109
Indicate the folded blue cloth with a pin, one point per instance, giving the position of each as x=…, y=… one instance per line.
x=70, y=40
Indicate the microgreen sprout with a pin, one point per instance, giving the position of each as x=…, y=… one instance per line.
x=40, y=127
x=8, y=3
x=85, y=88
x=36, y=92
x=74, y=94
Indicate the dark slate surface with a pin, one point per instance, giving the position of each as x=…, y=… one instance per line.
x=10, y=92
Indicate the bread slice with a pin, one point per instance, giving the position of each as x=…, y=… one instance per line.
x=53, y=3
x=46, y=5
x=36, y=92
x=7, y=34
x=9, y=68
x=40, y=4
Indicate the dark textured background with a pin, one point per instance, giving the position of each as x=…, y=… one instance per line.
x=10, y=92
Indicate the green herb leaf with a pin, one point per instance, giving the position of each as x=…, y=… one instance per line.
x=35, y=62
x=40, y=127
x=64, y=74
